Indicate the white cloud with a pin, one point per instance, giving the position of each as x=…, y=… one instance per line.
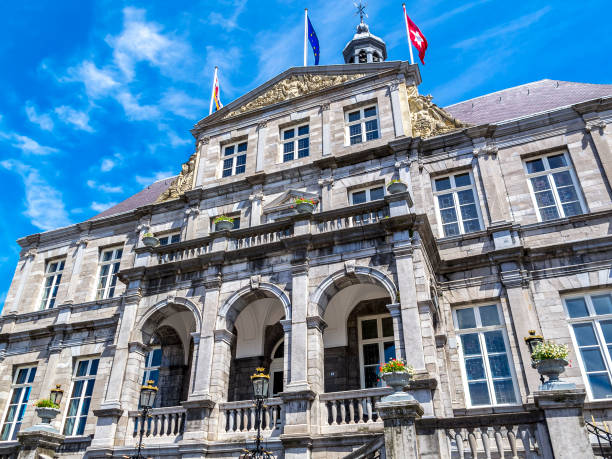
x=43, y=120
x=101, y=206
x=98, y=82
x=134, y=110
x=107, y=165
x=75, y=117
x=26, y=144
x=148, y=180
x=230, y=22
x=182, y=104
x=44, y=204
x=104, y=187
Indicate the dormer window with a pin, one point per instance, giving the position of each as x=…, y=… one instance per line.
x=234, y=159
x=362, y=125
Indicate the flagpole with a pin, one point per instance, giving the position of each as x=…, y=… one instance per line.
x=408, y=34
x=305, y=35
x=212, y=94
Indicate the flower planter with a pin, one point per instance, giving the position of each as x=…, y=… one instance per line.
x=46, y=414
x=551, y=368
x=397, y=380
x=305, y=208
x=224, y=225
x=150, y=241
x=397, y=187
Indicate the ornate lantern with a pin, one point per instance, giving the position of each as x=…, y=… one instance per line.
x=533, y=340
x=261, y=382
x=56, y=394
x=147, y=395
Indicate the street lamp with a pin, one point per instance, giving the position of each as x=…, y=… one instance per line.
x=532, y=341
x=261, y=384
x=147, y=400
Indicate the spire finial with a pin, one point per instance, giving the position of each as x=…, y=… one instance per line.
x=361, y=10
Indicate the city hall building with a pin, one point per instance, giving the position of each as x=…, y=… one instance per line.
x=441, y=236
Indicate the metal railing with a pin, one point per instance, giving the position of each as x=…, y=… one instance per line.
x=603, y=438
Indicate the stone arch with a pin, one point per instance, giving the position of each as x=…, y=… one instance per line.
x=346, y=277
x=162, y=310
x=246, y=295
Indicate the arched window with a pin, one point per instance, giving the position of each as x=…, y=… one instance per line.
x=376, y=57
x=363, y=58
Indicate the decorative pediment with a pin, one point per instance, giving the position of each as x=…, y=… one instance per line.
x=427, y=118
x=182, y=183
x=285, y=200
x=292, y=87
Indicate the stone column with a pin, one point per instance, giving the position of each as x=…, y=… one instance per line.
x=565, y=421
x=219, y=379
x=396, y=108
x=597, y=130
x=398, y=332
x=299, y=334
x=261, y=145
x=326, y=194
x=399, y=416
x=26, y=267
x=256, y=199
x=494, y=187
x=325, y=130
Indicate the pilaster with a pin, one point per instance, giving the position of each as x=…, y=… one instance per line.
x=396, y=108
x=256, y=199
x=490, y=171
x=326, y=194
x=326, y=130
x=26, y=267
x=299, y=332
x=596, y=128
x=262, y=129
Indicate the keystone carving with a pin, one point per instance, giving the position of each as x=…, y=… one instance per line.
x=182, y=183
x=427, y=118
x=292, y=87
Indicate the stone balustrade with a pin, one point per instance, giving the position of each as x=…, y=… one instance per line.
x=163, y=424
x=176, y=252
x=350, y=217
x=351, y=410
x=239, y=417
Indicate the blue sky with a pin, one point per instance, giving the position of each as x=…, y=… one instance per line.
x=97, y=98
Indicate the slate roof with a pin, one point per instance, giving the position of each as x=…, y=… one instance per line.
x=147, y=196
x=507, y=104
x=526, y=99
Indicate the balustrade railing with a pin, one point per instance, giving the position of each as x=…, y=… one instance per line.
x=350, y=218
x=256, y=239
x=164, y=423
x=351, y=407
x=170, y=254
x=239, y=417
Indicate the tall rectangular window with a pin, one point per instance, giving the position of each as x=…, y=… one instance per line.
x=53, y=277
x=457, y=204
x=376, y=346
x=296, y=139
x=552, y=184
x=486, y=363
x=152, y=364
x=590, y=318
x=362, y=125
x=234, y=159
x=18, y=401
x=110, y=260
x=82, y=388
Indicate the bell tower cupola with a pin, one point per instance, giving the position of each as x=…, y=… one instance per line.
x=364, y=47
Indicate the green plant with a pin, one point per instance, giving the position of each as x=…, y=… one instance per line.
x=223, y=218
x=305, y=201
x=148, y=234
x=394, y=181
x=396, y=366
x=549, y=350
x=46, y=403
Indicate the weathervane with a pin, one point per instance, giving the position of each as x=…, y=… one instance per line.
x=361, y=10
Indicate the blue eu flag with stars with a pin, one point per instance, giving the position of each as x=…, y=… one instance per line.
x=314, y=41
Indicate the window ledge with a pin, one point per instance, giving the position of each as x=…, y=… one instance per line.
x=518, y=408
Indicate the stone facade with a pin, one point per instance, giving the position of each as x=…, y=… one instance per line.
x=218, y=302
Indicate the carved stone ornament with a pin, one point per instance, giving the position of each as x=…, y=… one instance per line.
x=183, y=183
x=487, y=149
x=595, y=125
x=427, y=118
x=292, y=87
x=255, y=282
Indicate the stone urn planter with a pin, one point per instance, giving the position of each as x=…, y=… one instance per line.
x=224, y=225
x=397, y=187
x=305, y=207
x=149, y=240
x=397, y=380
x=551, y=368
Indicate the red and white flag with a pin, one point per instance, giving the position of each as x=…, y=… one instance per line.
x=215, y=101
x=416, y=37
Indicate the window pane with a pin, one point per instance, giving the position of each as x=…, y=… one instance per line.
x=462, y=180
x=499, y=366
x=600, y=385
x=556, y=161
x=567, y=194
x=471, y=345
x=448, y=215
x=288, y=134
x=371, y=376
x=470, y=226
x=540, y=183
x=572, y=209
x=563, y=179
x=303, y=130
x=175, y=238
x=106, y=256
x=21, y=375
x=606, y=328
x=576, y=307
x=32, y=374
x=466, y=318
x=68, y=427
x=445, y=201
x=81, y=427
x=156, y=360
x=368, y=329
x=451, y=230
x=369, y=112
x=585, y=336
x=370, y=354
x=549, y=213
x=353, y=116
x=443, y=184
x=474, y=368
x=592, y=359
x=377, y=193
x=504, y=391
x=495, y=341
x=359, y=197
x=389, y=350
x=82, y=368
x=229, y=150
x=371, y=129
x=72, y=407
x=242, y=147
x=469, y=212
x=489, y=315
x=602, y=304
x=479, y=393
x=465, y=196
x=537, y=165
x=288, y=147
x=387, y=326
x=545, y=199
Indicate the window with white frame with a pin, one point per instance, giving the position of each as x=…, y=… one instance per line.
x=362, y=125
x=457, y=204
x=277, y=367
x=486, y=364
x=53, y=277
x=367, y=194
x=234, y=159
x=152, y=364
x=552, y=183
x=170, y=239
x=295, y=140
x=80, y=398
x=109, y=267
x=18, y=401
x=590, y=318
x=376, y=346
